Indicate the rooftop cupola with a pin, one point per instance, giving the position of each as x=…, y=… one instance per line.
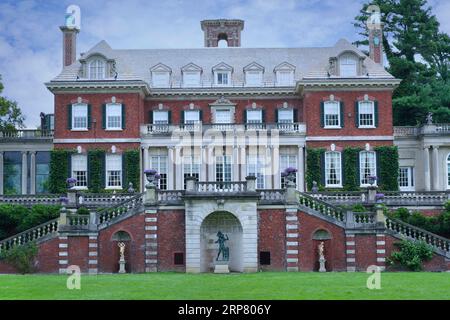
x=222, y=29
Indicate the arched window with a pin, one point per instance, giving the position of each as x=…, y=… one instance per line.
x=97, y=69
x=367, y=166
x=333, y=170
x=348, y=65
x=448, y=171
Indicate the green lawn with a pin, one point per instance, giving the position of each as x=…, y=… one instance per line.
x=267, y=285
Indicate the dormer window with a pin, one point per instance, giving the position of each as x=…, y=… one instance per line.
x=97, y=69
x=222, y=78
x=253, y=75
x=191, y=75
x=222, y=74
x=160, y=76
x=348, y=65
x=284, y=75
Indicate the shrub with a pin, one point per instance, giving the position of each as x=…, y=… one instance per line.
x=37, y=215
x=21, y=257
x=411, y=255
x=83, y=210
x=359, y=208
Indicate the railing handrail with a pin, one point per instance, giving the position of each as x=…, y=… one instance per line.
x=136, y=197
x=321, y=202
x=29, y=230
x=418, y=229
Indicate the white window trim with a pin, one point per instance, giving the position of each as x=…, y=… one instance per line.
x=191, y=162
x=338, y=126
x=262, y=168
x=339, y=185
x=195, y=121
x=106, y=173
x=73, y=118
x=256, y=84
x=410, y=186
x=352, y=57
x=161, y=111
x=292, y=115
x=447, y=163
x=360, y=177
x=281, y=169
x=231, y=165
x=166, y=74
x=72, y=170
x=373, y=116
x=216, y=82
x=197, y=84
x=284, y=84
x=254, y=110
x=106, y=114
x=98, y=60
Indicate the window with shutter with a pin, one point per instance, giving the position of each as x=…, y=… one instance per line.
x=367, y=166
x=113, y=164
x=160, y=117
x=254, y=116
x=285, y=115
x=79, y=170
x=333, y=169
x=80, y=116
x=366, y=114
x=113, y=116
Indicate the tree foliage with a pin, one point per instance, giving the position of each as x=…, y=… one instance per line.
x=10, y=114
x=418, y=54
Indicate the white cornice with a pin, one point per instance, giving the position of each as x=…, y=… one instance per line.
x=357, y=83
x=350, y=138
x=95, y=86
x=98, y=140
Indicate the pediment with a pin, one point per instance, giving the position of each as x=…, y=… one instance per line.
x=222, y=67
x=284, y=66
x=254, y=67
x=222, y=101
x=160, y=67
x=191, y=67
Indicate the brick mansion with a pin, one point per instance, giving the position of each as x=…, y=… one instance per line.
x=167, y=147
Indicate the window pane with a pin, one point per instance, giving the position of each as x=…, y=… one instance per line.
x=254, y=116
x=79, y=170
x=159, y=163
x=191, y=116
x=160, y=79
x=285, y=78
x=367, y=165
x=332, y=168
x=286, y=161
x=286, y=115
x=79, y=116
x=113, y=170
x=253, y=78
x=332, y=114
x=160, y=117
x=12, y=170
x=366, y=113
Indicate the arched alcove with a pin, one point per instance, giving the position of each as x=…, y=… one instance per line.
x=125, y=237
x=322, y=235
x=229, y=225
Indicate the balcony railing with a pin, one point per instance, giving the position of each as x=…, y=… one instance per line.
x=27, y=134
x=164, y=129
x=432, y=129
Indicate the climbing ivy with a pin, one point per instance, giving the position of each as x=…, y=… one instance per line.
x=350, y=168
x=388, y=167
x=132, y=169
x=96, y=169
x=313, y=167
x=59, y=170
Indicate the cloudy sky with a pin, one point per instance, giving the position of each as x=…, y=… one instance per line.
x=31, y=49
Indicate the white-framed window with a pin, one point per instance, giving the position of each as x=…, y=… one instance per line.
x=367, y=166
x=332, y=114
x=113, y=163
x=287, y=161
x=114, y=116
x=448, y=171
x=160, y=117
x=254, y=116
x=285, y=115
x=160, y=79
x=79, y=116
x=191, y=168
x=97, y=69
x=191, y=78
x=222, y=78
x=348, y=65
x=333, y=169
x=253, y=78
x=285, y=78
x=159, y=163
x=366, y=114
x=255, y=167
x=223, y=168
x=222, y=116
x=191, y=116
x=79, y=170
x=406, y=178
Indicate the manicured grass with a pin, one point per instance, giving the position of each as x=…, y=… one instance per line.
x=267, y=285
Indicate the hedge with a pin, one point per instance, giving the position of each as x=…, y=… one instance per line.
x=96, y=170
x=132, y=170
x=388, y=167
x=59, y=170
x=350, y=159
x=313, y=167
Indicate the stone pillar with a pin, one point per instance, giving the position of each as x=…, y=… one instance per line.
x=426, y=166
x=146, y=158
x=235, y=163
x=268, y=174
x=436, y=168
x=251, y=183
x=150, y=195
x=211, y=164
x=243, y=161
x=33, y=172
x=24, y=172
x=301, y=170
x=1, y=172
x=170, y=169
x=204, y=164
x=276, y=167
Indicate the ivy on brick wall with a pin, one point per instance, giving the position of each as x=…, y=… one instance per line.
x=388, y=167
x=59, y=170
x=350, y=157
x=131, y=169
x=96, y=170
x=314, y=167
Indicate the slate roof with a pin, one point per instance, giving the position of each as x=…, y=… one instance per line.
x=310, y=63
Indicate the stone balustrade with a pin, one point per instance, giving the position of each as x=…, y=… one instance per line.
x=31, y=200
x=33, y=234
x=206, y=187
x=321, y=207
x=427, y=129
x=23, y=134
x=271, y=195
x=107, y=214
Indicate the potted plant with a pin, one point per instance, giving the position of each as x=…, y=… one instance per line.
x=289, y=174
x=152, y=176
x=71, y=182
x=372, y=180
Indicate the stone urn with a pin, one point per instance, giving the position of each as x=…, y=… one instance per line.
x=290, y=175
x=71, y=182
x=152, y=177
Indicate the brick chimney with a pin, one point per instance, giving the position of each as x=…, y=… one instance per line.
x=222, y=29
x=375, y=30
x=69, y=45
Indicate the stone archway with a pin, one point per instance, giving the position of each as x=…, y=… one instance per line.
x=228, y=224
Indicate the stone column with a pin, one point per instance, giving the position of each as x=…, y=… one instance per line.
x=426, y=170
x=24, y=172
x=178, y=169
x=146, y=158
x=235, y=163
x=211, y=164
x=1, y=172
x=33, y=172
x=243, y=161
x=204, y=165
x=170, y=169
x=301, y=170
x=276, y=167
x=268, y=174
x=435, y=168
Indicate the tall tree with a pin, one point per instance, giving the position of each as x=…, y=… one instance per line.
x=10, y=114
x=418, y=54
